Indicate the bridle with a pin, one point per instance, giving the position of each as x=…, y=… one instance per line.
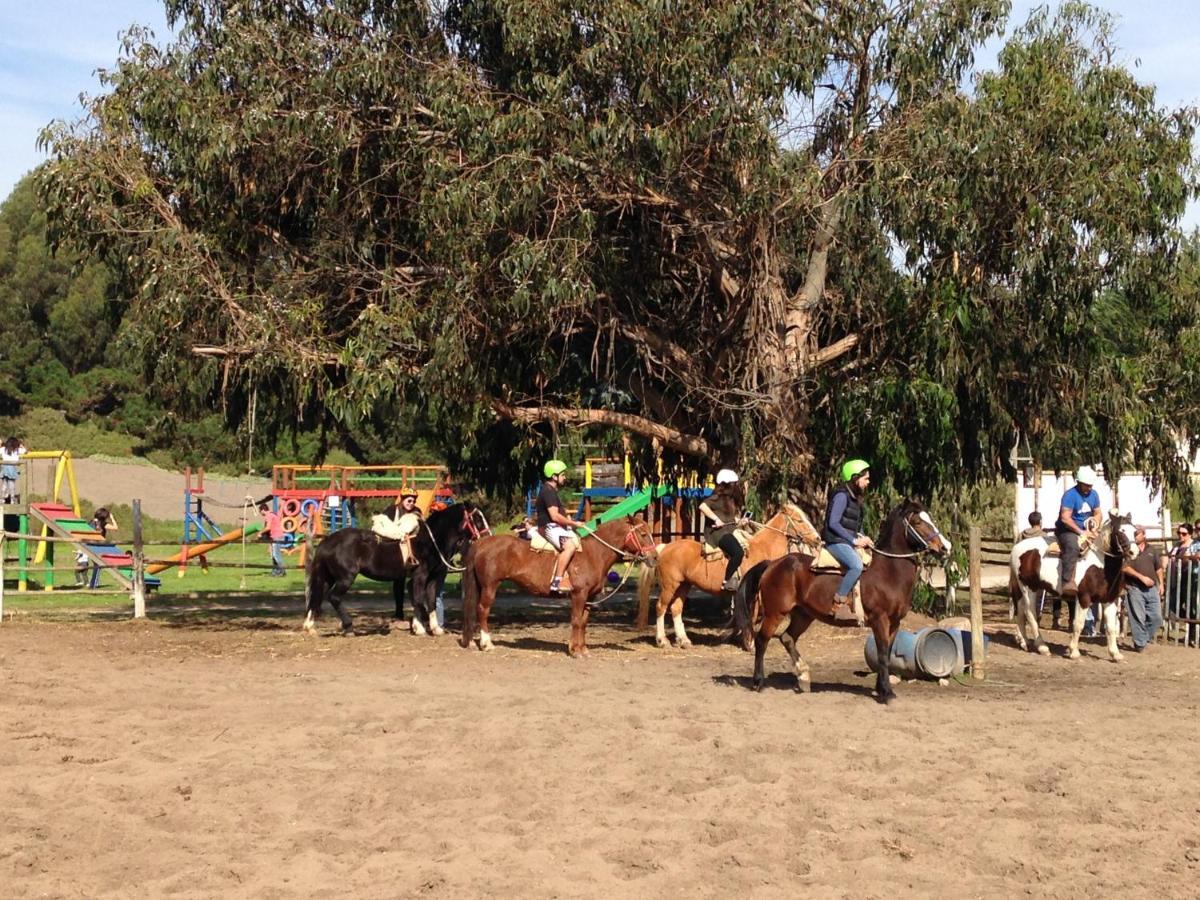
x=469, y=526
x=636, y=549
x=914, y=537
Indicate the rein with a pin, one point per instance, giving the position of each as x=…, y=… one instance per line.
x=438, y=550
x=792, y=538
x=476, y=534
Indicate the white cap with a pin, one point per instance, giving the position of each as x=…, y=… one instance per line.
x=727, y=476
x=1086, y=475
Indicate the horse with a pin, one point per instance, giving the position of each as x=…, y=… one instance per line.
x=684, y=564
x=351, y=552
x=793, y=596
x=1099, y=581
x=503, y=557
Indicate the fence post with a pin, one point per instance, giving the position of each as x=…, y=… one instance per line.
x=139, y=564
x=976, y=579
x=3, y=550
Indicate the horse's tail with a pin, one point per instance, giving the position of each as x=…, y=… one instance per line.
x=470, y=597
x=742, y=599
x=647, y=580
x=313, y=592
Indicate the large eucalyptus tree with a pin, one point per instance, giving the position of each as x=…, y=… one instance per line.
x=763, y=232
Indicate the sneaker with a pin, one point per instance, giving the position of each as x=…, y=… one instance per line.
x=556, y=585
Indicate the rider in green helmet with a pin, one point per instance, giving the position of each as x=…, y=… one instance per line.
x=843, y=537
x=555, y=525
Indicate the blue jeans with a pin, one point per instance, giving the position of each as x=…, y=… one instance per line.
x=1145, y=614
x=848, y=557
x=439, y=607
x=276, y=556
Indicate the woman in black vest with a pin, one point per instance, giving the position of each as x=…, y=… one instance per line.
x=842, y=533
x=721, y=512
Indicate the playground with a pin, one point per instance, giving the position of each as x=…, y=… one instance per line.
x=213, y=750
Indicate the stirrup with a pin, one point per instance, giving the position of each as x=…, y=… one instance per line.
x=731, y=583
x=848, y=608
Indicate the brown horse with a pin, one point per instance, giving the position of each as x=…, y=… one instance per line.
x=682, y=565
x=792, y=596
x=503, y=557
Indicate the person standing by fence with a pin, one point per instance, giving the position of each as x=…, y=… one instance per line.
x=1181, y=583
x=273, y=529
x=1143, y=592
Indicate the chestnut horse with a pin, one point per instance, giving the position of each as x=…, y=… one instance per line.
x=1031, y=572
x=792, y=596
x=682, y=565
x=504, y=557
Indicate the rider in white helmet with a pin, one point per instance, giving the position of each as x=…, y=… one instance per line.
x=721, y=512
x=1079, y=505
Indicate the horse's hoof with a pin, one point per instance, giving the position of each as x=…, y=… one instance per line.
x=1117, y=657
x=488, y=647
x=803, y=685
x=1043, y=650
x=417, y=628
x=1072, y=654
x=685, y=644
x=758, y=684
x=579, y=654
x=662, y=643
x=437, y=631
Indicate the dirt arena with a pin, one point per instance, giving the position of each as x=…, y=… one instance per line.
x=220, y=752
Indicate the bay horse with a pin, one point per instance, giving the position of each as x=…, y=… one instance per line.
x=504, y=557
x=683, y=565
x=1098, y=577
x=350, y=552
x=792, y=596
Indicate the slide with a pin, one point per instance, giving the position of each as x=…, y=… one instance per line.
x=632, y=504
x=61, y=521
x=200, y=549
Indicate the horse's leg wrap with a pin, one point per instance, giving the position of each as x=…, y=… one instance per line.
x=1114, y=626
x=1076, y=631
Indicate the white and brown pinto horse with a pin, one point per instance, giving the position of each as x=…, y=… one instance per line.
x=1098, y=576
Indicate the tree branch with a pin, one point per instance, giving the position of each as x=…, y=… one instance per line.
x=670, y=437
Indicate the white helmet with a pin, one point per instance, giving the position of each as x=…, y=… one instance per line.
x=727, y=476
x=1086, y=475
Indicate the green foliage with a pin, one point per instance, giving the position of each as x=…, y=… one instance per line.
x=387, y=223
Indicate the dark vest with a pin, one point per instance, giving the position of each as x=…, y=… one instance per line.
x=851, y=518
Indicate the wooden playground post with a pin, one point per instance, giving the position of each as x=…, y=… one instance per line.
x=23, y=554
x=139, y=564
x=3, y=550
x=976, y=581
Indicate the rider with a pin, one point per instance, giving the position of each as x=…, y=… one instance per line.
x=555, y=525
x=721, y=512
x=406, y=514
x=1079, y=504
x=841, y=534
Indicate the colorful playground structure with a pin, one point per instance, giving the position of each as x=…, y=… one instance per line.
x=673, y=507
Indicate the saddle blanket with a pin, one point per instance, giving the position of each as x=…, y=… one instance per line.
x=825, y=560
x=400, y=530
x=538, y=544
x=711, y=553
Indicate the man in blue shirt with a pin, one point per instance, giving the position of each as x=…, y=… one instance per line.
x=1079, y=504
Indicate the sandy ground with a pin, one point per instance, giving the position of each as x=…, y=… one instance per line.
x=219, y=752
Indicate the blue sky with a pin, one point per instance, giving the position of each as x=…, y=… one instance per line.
x=49, y=52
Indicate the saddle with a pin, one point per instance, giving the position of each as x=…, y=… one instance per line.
x=826, y=563
x=539, y=544
x=399, y=531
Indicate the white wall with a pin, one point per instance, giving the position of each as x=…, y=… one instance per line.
x=1132, y=494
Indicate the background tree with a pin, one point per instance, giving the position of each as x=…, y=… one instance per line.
x=769, y=233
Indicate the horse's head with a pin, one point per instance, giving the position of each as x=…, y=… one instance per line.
x=798, y=527
x=920, y=532
x=630, y=536
x=1120, y=538
x=474, y=523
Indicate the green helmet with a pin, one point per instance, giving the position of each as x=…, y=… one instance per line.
x=853, y=468
x=553, y=467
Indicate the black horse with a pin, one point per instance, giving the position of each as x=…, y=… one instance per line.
x=351, y=552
